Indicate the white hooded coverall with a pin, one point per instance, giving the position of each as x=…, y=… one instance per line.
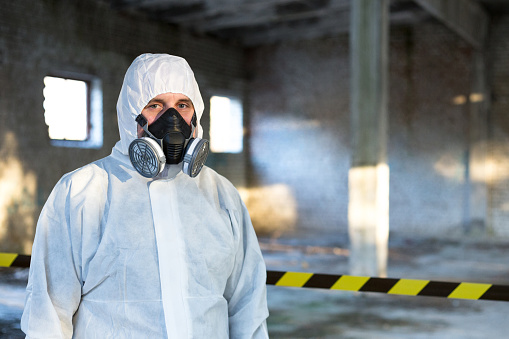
x=117, y=255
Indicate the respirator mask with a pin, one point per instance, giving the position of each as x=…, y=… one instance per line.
x=168, y=140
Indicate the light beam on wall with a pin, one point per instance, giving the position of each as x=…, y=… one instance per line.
x=18, y=188
x=273, y=208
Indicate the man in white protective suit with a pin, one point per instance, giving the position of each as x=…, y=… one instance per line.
x=138, y=244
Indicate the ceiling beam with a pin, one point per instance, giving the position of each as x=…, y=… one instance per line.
x=265, y=17
x=465, y=17
x=332, y=25
x=212, y=5
x=245, y=13
x=137, y=4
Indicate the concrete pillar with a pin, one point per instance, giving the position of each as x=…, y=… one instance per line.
x=368, y=208
x=475, y=216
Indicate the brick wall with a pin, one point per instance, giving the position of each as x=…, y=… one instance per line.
x=498, y=158
x=40, y=37
x=428, y=134
x=297, y=114
x=300, y=128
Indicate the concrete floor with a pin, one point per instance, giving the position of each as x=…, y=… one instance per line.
x=315, y=313
x=12, y=297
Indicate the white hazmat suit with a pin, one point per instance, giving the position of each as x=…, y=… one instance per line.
x=117, y=255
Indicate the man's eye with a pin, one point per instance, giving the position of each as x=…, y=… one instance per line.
x=153, y=106
x=182, y=106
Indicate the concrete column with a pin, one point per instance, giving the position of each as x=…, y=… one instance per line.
x=476, y=196
x=368, y=208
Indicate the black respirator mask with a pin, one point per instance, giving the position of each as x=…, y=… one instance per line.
x=168, y=140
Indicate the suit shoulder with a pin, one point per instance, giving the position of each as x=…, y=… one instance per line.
x=93, y=171
x=209, y=175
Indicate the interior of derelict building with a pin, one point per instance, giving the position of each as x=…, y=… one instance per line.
x=403, y=99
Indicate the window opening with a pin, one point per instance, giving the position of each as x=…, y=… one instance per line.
x=226, y=125
x=73, y=111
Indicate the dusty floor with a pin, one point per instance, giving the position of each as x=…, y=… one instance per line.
x=314, y=313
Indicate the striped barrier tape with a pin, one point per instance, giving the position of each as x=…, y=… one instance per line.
x=14, y=260
x=411, y=287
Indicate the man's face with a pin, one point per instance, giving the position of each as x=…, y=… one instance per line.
x=161, y=103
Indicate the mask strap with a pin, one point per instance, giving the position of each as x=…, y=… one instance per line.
x=194, y=122
x=140, y=119
x=193, y=128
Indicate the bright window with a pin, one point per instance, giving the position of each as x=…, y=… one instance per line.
x=73, y=112
x=226, y=128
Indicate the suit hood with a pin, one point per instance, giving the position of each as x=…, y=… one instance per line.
x=148, y=76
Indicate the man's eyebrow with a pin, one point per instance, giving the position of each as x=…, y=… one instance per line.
x=155, y=100
x=160, y=101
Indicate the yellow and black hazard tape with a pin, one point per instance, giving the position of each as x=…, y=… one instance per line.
x=14, y=260
x=411, y=287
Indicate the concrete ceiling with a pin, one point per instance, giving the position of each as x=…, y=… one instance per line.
x=258, y=22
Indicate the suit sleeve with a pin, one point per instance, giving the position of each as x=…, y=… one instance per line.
x=54, y=286
x=246, y=287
